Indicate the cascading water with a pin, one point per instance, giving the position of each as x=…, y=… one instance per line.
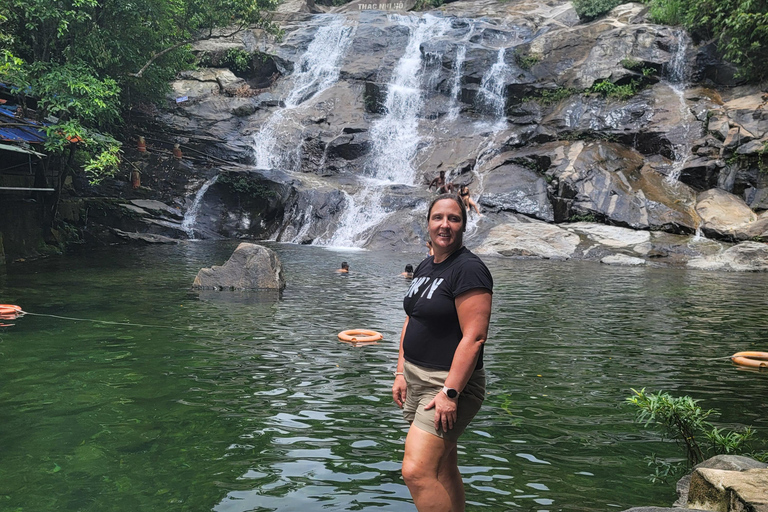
x=491, y=97
x=396, y=135
x=190, y=216
x=317, y=69
x=677, y=75
x=458, y=66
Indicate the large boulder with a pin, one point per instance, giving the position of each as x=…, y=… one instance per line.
x=251, y=267
x=529, y=239
x=720, y=462
x=717, y=489
x=723, y=213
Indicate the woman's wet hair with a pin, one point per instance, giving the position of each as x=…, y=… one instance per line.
x=409, y=268
x=456, y=199
x=344, y=264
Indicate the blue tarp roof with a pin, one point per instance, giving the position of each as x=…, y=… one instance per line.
x=24, y=130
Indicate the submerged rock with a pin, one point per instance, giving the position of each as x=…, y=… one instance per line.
x=251, y=267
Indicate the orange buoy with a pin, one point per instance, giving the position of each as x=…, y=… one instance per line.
x=751, y=359
x=10, y=312
x=9, y=308
x=360, y=335
x=141, y=145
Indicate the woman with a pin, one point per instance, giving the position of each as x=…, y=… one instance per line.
x=439, y=381
x=468, y=202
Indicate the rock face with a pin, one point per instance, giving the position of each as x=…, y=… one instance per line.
x=334, y=132
x=726, y=483
x=251, y=267
x=723, y=483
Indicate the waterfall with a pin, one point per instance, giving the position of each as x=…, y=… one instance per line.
x=316, y=70
x=396, y=135
x=458, y=67
x=190, y=216
x=677, y=78
x=491, y=97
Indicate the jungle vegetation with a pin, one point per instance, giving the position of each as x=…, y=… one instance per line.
x=740, y=27
x=83, y=63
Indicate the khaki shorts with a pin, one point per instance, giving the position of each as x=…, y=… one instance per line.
x=424, y=384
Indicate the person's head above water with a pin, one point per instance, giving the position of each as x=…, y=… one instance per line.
x=344, y=267
x=409, y=268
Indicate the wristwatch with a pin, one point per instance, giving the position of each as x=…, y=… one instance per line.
x=450, y=392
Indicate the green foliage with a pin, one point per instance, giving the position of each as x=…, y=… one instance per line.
x=663, y=470
x=526, y=62
x=237, y=60
x=668, y=12
x=683, y=420
x=583, y=217
x=609, y=89
x=591, y=9
x=86, y=61
x=243, y=184
x=739, y=27
x=631, y=64
x=551, y=96
x=422, y=5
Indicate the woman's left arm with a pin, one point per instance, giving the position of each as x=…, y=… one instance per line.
x=474, y=311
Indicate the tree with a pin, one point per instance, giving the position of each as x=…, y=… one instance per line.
x=87, y=61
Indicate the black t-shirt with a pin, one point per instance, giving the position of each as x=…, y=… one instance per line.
x=433, y=331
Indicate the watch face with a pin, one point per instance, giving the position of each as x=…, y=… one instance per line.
x=452, y=393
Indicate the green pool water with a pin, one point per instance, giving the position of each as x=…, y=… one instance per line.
x=124, y=390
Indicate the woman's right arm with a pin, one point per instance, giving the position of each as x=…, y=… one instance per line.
x=399, y=387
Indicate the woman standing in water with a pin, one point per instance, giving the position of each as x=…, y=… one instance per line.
x=440, y=381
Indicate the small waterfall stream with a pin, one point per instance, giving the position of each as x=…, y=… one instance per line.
x=190, y=216
x=316, y=70
x=677, y=76
x=491, y=98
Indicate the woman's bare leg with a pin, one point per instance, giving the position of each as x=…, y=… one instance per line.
x=431, y=472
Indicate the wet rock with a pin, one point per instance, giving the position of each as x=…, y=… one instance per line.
x=743, y=257
x=623, y=260
x=529, y=239
x=701, y=173
x=716, y=489
x=510, y=187
x=709, y=66
x=145, y=237
x=157, y=208
x=749, y=112
x=722, y=213
x=251, y=267
x=721, y=462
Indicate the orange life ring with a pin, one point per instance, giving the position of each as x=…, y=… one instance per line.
x=752, y=359
x=360, y=335
x=10, y=312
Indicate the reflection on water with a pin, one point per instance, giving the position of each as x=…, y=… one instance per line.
x=248, y=401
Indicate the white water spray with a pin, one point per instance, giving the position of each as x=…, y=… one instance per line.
x=190, y=216
x=677, y=78
x=396, y=135
x=316, y=70
x=458, y=68
x=491, y=97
